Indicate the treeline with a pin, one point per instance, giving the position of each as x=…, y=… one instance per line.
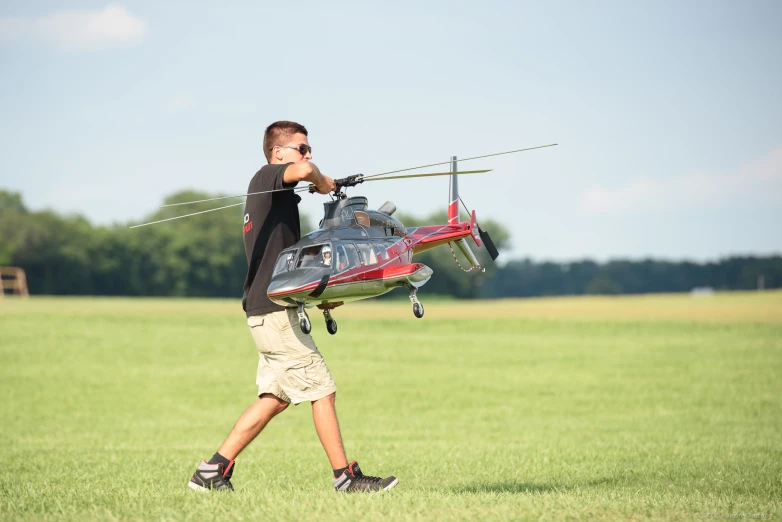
x=527, y=278
x=198, y=256
x=204, y=256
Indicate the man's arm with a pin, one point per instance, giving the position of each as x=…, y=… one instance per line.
x=307, y=171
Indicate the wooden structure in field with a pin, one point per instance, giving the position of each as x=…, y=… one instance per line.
x=12, y=278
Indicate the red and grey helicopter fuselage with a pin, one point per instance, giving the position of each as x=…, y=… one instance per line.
x=359, y=253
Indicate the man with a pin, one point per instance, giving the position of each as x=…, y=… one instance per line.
x=290, y=367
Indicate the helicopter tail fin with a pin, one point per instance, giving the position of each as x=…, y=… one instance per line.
x=480, y=236
x=454, y=218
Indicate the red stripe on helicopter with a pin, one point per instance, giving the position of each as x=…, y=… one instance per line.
x=396, y=271
x=453, y=215
x=444, y=237
x=431, y=236
x=376, y=274
x=373, y=274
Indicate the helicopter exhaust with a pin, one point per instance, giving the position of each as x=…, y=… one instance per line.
x=387, y=208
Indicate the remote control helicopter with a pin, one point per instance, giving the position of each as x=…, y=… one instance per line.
x=358, y=253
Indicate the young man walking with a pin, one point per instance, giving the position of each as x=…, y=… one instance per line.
x=291, y=369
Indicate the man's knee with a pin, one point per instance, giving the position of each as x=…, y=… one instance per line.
x=279, y=405
x=332, y=397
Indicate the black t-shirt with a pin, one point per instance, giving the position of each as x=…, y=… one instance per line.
x=271, y=224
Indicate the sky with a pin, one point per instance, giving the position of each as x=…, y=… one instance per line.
x=667, y=114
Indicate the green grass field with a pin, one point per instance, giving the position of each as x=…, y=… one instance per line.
x=659, y=407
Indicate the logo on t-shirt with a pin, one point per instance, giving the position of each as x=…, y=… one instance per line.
x=248, y=225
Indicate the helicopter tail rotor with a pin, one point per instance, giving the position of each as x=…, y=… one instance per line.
x=489, y=244
x=480, y=236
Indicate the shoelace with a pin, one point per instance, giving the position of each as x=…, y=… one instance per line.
x=368, y=478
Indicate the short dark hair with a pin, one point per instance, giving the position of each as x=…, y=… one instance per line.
x=279, y=132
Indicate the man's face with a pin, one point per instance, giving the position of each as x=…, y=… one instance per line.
x=327, y=258
x=289, y=152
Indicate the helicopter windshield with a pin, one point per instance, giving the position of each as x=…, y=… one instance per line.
x=284, y=262
x=315, y=256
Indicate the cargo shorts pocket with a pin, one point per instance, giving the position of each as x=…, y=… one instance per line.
x=305, y=374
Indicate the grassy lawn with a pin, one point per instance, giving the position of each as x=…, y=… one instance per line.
x=658, y=407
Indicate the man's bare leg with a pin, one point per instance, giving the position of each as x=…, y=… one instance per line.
x=326, y=424
x=250, y=424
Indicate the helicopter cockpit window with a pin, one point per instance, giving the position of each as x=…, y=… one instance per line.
x=345, y=257
x=380, y=250
x=284, y=262
x=368, y=255
x=315, y=256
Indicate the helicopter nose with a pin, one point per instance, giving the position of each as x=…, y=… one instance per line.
x=299, y=283
x=281, y=285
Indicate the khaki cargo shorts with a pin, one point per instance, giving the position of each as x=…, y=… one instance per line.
x=290, y=365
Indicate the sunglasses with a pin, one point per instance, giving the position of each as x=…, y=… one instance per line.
x=303, y=149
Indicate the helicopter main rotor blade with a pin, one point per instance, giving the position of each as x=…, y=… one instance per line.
x=357, y=179
x=187, y=215
x=461, y=160
x=365, y=178
x=432, y=174
x=228, y=197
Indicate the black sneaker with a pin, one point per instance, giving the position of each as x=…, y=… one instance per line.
x=353, y=480
x=212, y=476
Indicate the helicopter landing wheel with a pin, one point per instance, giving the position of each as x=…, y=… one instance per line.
x=304, y=320
x=331, y=326
x=305, y=325
x=418, y=308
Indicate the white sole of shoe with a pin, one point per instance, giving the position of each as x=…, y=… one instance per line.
x=390, y=486
x=195, y=487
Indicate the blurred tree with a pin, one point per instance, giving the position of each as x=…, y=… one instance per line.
x=11, y=212
x=53, y=250
x=201, y=255
x=603, y=284
x=11, y=203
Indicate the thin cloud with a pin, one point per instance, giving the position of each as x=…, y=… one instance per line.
x=183, y=101
x=72, y=30
x=759, y=182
